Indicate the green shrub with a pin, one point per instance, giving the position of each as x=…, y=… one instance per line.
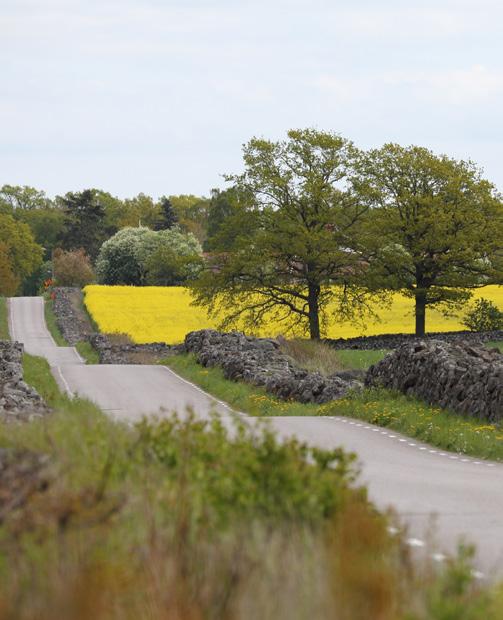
x=247, y=472
x=72, y=268
x=126, y=258
x=484, y=316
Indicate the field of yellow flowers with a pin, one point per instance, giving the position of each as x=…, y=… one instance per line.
x=165, y=314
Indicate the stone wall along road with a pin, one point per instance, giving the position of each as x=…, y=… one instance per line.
x=18, y=401
x=260, y=362
x=461, y=377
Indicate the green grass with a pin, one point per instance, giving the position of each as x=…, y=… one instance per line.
x=87, y=352
x=240, y=396
x=446, y=430
x=360, y=360
x=497, y=345
x=319, y=356
x=37, y=373
x=4, y=322
x=52, y=326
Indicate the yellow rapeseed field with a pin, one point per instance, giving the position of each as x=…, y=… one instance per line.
x=165, y=314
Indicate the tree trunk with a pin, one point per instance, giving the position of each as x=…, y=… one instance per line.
x=314, y=311
x=420, y=313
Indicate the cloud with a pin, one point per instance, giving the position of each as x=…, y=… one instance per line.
x=477, y=84
x=461, y=87
x=144, y=80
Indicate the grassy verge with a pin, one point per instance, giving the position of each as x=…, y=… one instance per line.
x=360, y=360
x=178, y=518
x=87, y=351
x=37, y=373
x=4, y=323
x=52, y=326
x=443, y=429
x=497, y=345
x=240, y=396
x=318, y=356
x=84, y=348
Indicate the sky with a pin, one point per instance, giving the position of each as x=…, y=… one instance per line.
x=158, y=96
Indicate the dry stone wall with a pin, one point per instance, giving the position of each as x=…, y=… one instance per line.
x=461, y=377
x=112, y=353
x=75, y=326
x=393, y=341
x=18, y=401
x=70, y=317
x=260, y=362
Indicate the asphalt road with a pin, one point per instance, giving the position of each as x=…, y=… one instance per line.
x=433, y=491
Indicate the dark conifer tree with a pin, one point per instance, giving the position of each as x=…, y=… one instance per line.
x=167, y=217
x=85, y=222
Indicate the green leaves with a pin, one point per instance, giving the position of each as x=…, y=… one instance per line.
x=19, y=254
x=139, y=255
x=246, y=472
x=291, y=235
x=435, y=227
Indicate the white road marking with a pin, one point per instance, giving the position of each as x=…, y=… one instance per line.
x=415, y=542
x=411, y=444
x=65, y=382
x=212, y=398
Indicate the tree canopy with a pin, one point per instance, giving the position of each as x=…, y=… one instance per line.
x=222, y=205
x=129, y=257
x=20, y=254
x=292, y=249
x=435, y=228
x=85, y=222
x=167, y=217
x=23, y=197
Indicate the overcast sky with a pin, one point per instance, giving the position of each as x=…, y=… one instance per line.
x=158, y=96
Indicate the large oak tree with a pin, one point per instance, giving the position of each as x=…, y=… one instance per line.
x=435, y=229
x=288, y=249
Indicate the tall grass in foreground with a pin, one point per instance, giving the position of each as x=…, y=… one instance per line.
x=180, y=519
x=4, y=323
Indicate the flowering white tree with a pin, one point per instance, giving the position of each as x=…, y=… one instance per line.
x=130, y=256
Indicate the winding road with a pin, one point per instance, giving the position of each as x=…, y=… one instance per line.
x=461, y=496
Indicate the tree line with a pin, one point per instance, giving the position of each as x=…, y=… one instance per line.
x=81, y=222
x=322, y=228
x=313, y=229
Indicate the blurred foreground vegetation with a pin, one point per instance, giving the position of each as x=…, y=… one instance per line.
x=184, y=519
